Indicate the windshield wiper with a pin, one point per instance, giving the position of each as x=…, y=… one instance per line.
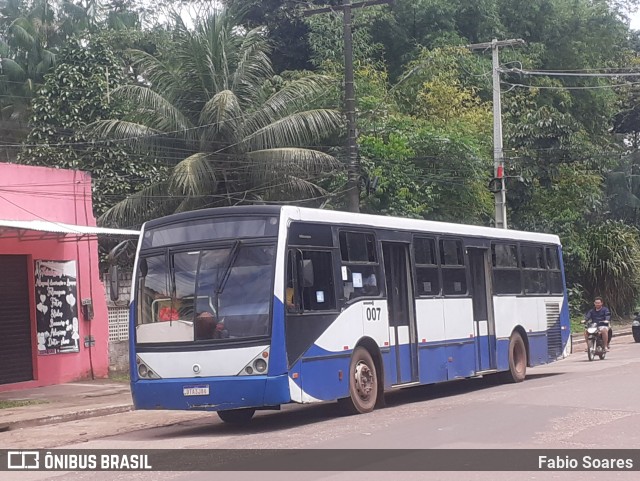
x=227, y=268
x=225, y=276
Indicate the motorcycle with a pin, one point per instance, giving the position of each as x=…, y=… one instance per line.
x=595, y=345
x=635, y=327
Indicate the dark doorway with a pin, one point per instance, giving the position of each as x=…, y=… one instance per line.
x=401, y=310
x=483, y=308
x=16, y=362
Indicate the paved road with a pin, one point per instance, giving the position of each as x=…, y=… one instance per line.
x=572, y=404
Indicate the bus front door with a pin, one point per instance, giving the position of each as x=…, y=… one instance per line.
x=483, y=308
x=401, y=307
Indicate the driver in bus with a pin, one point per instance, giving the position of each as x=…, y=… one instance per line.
x=208, y=327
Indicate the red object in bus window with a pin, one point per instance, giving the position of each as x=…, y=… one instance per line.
x=168, y=314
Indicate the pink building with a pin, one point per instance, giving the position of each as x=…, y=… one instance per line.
x=53, y=321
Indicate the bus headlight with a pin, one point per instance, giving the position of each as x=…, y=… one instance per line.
x=144, y=372
x=260, y=365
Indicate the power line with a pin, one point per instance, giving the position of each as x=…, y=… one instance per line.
x=569, y=74
x=586, y=87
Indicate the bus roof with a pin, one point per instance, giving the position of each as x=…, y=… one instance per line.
x=400, y=223
x=350, y=218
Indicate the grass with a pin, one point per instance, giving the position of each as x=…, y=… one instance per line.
x=576, y=326
x=119, y=376
x=18, y=403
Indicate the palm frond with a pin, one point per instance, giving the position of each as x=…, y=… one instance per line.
x=284, y=159
x=194, y=176
x=297, y=129
x=222, y=115
x=161, y=75
x=137, y=136
x=271, y=163
x=253, y=66
x=290, y=187
x=13, y=70
x=48, y=59
x=120, y=129
x=148, y=203
x=20, y=30
x=297, y=95
x=154, y=110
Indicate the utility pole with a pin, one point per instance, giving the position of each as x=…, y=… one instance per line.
x=353, y=166
x=498, y=154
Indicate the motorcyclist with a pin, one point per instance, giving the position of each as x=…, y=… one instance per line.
x=600, y=314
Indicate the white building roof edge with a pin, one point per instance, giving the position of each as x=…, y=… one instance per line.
x=61, y=228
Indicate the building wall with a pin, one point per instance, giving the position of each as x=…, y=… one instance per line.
x=119, y=323
x=38, y=193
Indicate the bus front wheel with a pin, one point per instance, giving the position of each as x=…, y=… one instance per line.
x=363, y=383
x=237, y=416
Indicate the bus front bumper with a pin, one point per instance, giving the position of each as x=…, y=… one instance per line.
x=211, y=394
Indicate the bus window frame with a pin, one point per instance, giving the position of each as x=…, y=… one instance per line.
x=200, y=246
x=518, y=268
x=378, y=267
x=556, y=249
x=437, y=265
x=296, y=279
x=465, y=266
x=525, y=270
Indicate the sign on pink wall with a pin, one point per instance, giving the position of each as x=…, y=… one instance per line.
x=57, y=307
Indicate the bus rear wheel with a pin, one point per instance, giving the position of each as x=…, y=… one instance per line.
x=237, y=416
x=363, y=384
x=517, y=360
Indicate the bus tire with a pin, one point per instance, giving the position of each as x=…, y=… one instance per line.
x=517, y=360
x=363, y=383
x=237, y=416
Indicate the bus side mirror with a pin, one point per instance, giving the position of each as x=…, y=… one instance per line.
x=114, y=283
x=307, y=273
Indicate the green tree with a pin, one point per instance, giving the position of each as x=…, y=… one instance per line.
x=28, y=33
x=74, y=95
x=610, y=267
x=211, y=106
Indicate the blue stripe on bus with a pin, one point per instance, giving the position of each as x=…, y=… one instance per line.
x=438, y=362
x=327, y=378
x=278, y=351
x=133, y=371
x=229, y=392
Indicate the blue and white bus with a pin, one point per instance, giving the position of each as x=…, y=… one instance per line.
x=244, y=308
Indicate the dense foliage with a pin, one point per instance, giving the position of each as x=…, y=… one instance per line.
x=207, y=106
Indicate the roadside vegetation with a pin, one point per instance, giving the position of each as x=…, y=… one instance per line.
x=201, y=105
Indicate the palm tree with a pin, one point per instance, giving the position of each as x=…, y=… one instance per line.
x=28, y=31
x=236, y=133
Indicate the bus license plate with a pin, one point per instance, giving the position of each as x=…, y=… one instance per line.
x=195, y=390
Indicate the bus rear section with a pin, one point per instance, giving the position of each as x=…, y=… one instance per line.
x=206, y=328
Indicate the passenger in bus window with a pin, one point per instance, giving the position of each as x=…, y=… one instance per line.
x=289, y=298
x=206, y=324
x=370, y=285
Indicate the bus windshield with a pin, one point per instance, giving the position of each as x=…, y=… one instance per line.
x=219, y=294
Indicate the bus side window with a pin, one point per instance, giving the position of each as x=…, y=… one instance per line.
x=426, y=260
x=507, y=277
x=454, y=274
x=291, y=301
x=360, y=267
x=310, y=285
x=555, y=275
